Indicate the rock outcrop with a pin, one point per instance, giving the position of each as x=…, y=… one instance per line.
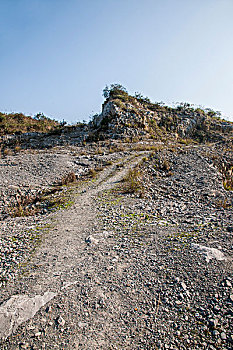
x=120, y=119
x=133, y=118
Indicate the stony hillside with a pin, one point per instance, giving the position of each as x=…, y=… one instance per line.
x=125, y=116
x=118, y=234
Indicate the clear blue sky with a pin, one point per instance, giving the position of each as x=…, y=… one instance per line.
x=58, y=55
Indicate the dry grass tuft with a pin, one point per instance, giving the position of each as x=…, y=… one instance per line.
x=69, y=178
x=17, y=149
x=7, y=152
x=225, y=204
x=146, y=147
x=92, y=172
x=132, y=182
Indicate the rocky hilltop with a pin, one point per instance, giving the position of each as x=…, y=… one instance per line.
x=118, y=234
x=126, y=116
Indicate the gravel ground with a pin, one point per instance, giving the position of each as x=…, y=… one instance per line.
x=28, y=175
x=134, y=271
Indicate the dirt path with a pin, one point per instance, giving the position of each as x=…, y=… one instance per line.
x=123, y=272
x=72, y=263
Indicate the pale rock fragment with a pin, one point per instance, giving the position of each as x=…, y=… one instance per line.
x=208, y=253
x=18, y=309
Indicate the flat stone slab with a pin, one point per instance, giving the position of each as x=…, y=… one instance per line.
x=18, y=309
x=209, y=253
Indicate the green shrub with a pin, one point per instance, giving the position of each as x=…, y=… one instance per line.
x=115, y=91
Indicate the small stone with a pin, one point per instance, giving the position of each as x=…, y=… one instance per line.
x=227, y=283
x=215, y=333
x=91, y=240
x=183, y=285
x=223, y=336
x=82, y=324
x=37, y=334
x=60, y=321
x=217, y=309
x=24, y=346
x=213, y=322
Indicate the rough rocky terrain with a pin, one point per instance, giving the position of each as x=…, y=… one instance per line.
x=117, y=245
x=128, y=271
